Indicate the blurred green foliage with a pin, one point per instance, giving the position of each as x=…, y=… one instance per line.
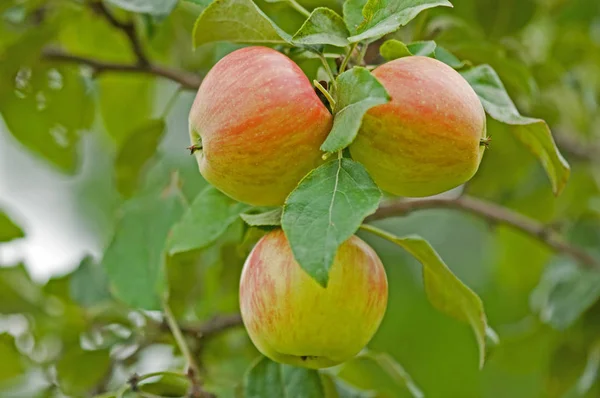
x=118, y=135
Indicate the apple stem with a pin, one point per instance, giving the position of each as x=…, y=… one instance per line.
x=326, y=94
x=328, y=70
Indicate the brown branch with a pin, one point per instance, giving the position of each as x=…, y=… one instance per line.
x=126, y=27
x=491, y=212
x=214, y=326
x=187, y=80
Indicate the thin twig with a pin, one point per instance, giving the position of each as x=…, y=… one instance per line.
x=187, y=80
x=193, y=370
x=491, y=212
x=347, y=58
x=126, y=27
x=296, y=6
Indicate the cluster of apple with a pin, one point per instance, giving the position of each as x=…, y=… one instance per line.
x=257, y=126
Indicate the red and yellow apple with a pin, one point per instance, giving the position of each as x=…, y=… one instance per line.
x=294, y=320
x=258, y=125
x=428, y=138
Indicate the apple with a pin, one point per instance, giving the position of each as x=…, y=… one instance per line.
x=430, y=137
x=294, y=320
x=256, y=126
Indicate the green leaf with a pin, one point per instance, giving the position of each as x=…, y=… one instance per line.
x=18, y=293
x=205, y=221
x=564, y=293
x=383, y=17
x=268, y=218
x=137, y=149
x=336, y=388
x=444, y=290
x=8, y=229
x=11, y=364
x=79, y=371
x=394, y=49
x=379, y=372
x=237, y=21
x=325, y=210
x=270, y=379
x=323, y=26
x=89, y=284
x=134, y=260
x=152, y=7
x=533, y=133
x=441, y=54
x=590, y=375
x=358, y=91
x=424, y=48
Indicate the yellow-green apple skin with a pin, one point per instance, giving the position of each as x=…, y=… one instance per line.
x=294, y=320
x=260, y=125
x=427, y=139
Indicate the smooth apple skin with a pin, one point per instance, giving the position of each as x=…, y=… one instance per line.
x=260, y=124
x=427, y=139
x=294, y=320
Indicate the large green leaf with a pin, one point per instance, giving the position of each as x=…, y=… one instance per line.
x=357, y=92
x=134, y=260
x=237, y=21
x=270, y=379
x=79, y=371
x=11, y=364
x=324, y=26
x=135, y=153
x=564, y=293
x=8, y=229
x=88, y=284
x=533, y=133
x=383, y=17
x=324, y=210
x=381, y=373
x=444, y=290
x=208, y=217
x=152, y=7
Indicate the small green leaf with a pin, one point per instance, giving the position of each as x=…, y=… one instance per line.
x=358, y=91
x=564, y=293
x=381, y=18
x=89, y=284
x=324, y=26
x=270, y=379
x=137, y=149
x=353, y=14
x=152, y=7
x=134, y=260
x=205, y=221
x=441, y=54
x=11, y=364
x=8, y=229
x=79, y=371
x=379, y=372
x=268, y=218
x=394, y=49
x=336, y=388
x=533, y=133
x=237, y=21
x=424, y=48
x=444, y=290
x=325, y=210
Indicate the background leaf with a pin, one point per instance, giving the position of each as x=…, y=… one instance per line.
x=270, y=379
x=8, y=229
x=78, y=371
x=134, y=260
x=533, y=133
x=211, y=213
x=153, y=7
x=89, y=284
x=11, y=365
x=267, y=218
x=237, y=21
x=358, y=91
x=325, y=210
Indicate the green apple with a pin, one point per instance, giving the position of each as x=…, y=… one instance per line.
x=256, y=126
x=294, y=320
x=430, y=137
